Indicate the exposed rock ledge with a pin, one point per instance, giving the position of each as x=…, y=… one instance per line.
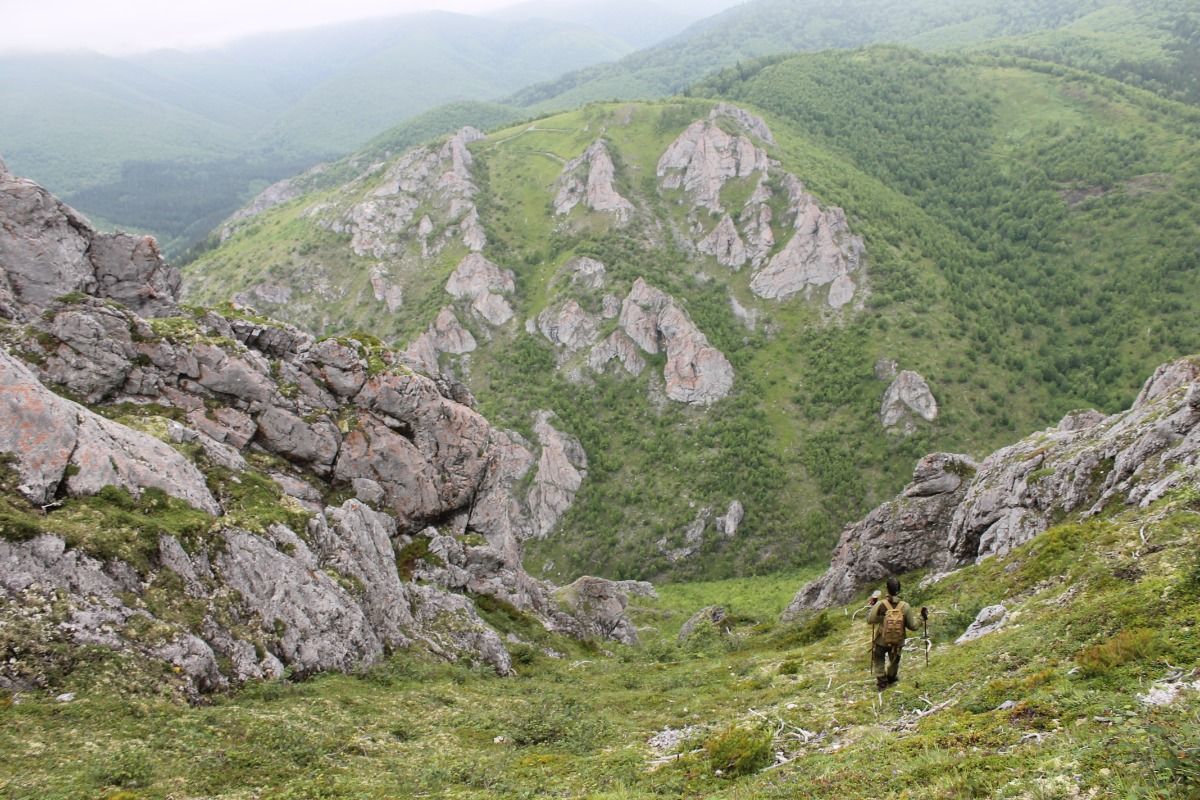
x=696, y=372
x=595, y=188
x=907, y=397
x=438, y=490
x=956, y=512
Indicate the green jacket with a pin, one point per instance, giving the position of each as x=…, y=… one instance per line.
x=875, y=617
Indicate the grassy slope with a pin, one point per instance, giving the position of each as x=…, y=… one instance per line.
x=1016, y=306
x=1096, y=615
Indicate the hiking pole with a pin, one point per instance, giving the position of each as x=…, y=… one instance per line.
x=925, y=623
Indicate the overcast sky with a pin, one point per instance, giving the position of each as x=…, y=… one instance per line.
x=124, y=26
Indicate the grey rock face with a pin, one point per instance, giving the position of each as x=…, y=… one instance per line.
x=988, y=620
x=589, y=179
x=445, y=335
x=560, y=472
x=727, y=525
x=751, y=123
x=821, y=252
x=908, y=396
x=696, y=373
x=600, y=605
x=480, y=281
x=894, y=538
x=725, y=244
x=50, y=250
x=620, y=348
x=46, y=434
x=950, y=515
x=331, y=599
x=704, y=158
x=568, y=326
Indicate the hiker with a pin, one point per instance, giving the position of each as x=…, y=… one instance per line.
x=890, y=618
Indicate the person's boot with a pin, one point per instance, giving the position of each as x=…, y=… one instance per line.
x=892, y=679
x=881, y=683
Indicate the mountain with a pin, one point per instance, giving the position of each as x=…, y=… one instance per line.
x=167, y=482
x=119, y=135
x=1148, y=42
x=755, y=313
x=178, y=553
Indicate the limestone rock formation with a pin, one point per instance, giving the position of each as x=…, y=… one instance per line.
x=386, y=292
x=618, y=347
x=727, y=524
x=49, y=250
x=483, y=283
x=988, y=620
x=445, y=335
x=588, y=179
x=751, y=123
x=602, y=604
x=560, y=472
x=725, y=244
x=954, y=514
x=709, y=616
x=908, y=396
x=704, y=158
x=586, y=273
x=696, y=372
x=821, y=252
x=568, y=326
x=893, y=537
x=314, y=586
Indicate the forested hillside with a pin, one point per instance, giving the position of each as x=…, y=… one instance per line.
x=1029, y=246
x=1148, y=42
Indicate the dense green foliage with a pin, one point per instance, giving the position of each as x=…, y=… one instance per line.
x=1009, y=716
x=996, y=199
x=1151, y=42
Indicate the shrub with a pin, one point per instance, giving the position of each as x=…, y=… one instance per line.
x=814, y=629
x=555, y=721
x=738, y=750
x=1128, y=645
x=790, y=667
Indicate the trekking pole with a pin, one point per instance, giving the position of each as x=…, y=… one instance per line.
x=928, y=644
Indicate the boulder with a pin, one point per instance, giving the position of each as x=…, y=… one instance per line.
x=599, y=605
x=908, y=396
x=727, y=524
x=586, y=273
x=482, y=282
x=617, y=346
x=708, y=616
x=988, y=620
x=751, y=123
x=568, y=326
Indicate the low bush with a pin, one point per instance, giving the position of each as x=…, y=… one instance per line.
x=1133, y=644
x=738, y=750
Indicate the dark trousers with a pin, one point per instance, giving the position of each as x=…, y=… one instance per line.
x=885, y=661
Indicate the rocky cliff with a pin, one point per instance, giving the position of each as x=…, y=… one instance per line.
x=234, y=498
x=958, y=512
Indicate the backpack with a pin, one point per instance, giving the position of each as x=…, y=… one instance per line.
x=893, y=625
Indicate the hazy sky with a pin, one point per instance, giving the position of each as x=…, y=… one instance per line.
x=123, y=26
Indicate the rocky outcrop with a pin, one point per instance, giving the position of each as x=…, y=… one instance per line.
x=696, y=372
x=568, y=326
x=445, y=335
x=954, y=514
x=988, y=620
x=751, y=123
x=820, y=253
x=588, y=179
x=560, y=472
x=49, y=250
x=618, y=347
x=601, y=603
x=586, y=273
x=483, y=283
x=438, y=490
x=728, y=523
x=894, y=538
x=384, y=224
x=386, y=292
x=725, y=244
x=906, y=398
x=704, y=158
x=707, y=617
